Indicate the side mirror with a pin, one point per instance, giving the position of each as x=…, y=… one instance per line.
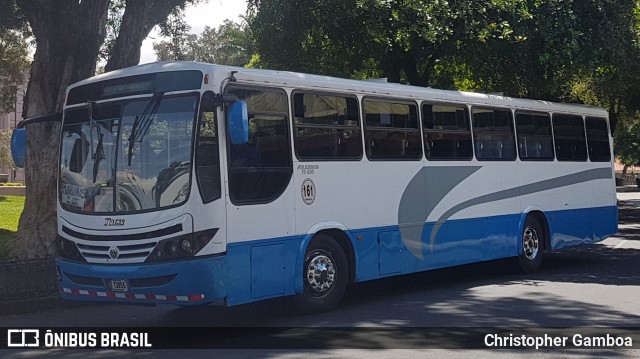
x=19, y=136
x=19, y=146
x=238, y=122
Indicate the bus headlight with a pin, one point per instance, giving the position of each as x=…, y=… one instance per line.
x=170, y=247
x=69, y=250
x=185, y=245
x=181, y=247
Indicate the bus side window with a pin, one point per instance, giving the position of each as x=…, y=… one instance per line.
x=598, y=139
x=571, y=144
x=447, y=132
x=535, y=141
x=493, y=134
x=327, y=127
x=391, y=130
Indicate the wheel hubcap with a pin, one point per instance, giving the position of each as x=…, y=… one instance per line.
x=321, y=273
x=530, y=243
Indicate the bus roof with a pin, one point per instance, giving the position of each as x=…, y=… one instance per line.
x=376, y=87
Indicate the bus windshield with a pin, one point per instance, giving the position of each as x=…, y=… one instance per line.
x=126, y=156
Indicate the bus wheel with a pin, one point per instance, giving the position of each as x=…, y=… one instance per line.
x=532, y=243
x=325, y=275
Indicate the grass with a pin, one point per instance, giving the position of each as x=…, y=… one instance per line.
x=10, y=211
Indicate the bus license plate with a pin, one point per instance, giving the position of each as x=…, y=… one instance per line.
x=118, y=285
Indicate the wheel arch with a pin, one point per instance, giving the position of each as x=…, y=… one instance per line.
x=340, y=234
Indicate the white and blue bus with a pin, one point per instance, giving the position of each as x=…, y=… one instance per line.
x=191, y=183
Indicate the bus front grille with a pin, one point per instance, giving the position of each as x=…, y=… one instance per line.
x=134, y=251
x=110, y=248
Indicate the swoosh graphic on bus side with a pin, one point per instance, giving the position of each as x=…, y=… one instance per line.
x=434, y=183
x=421, y=196
x=558, y=182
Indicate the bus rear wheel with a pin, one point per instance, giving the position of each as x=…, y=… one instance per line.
x=531, y=245
x=325, y=275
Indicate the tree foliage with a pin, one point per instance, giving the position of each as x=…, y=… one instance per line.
x=14, y=53
x=627, y=142
x=401, y=40
x=10, y=15
x=176, y=29
x=138, y=19
x=613, y=82
x=229, y=44
x=518, y=47
x=14, y=64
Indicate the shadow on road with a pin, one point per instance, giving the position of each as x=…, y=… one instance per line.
x=629, y=219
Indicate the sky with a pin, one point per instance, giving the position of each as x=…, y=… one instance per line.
x=210, y=14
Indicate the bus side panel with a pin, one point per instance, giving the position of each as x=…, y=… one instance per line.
x=571, y=228
x=501, y=239
x=238, y=274
x=267, y=271
x=381, y=251
x=261, y=269
x=391, y=252
x=471, y=240
x=367, y=258
x=605, y=220
x=457, y=242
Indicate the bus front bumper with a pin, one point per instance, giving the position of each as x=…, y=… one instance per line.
x=190, y=282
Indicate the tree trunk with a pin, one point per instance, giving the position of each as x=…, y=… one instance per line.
x=68, y=34
x=139, y=18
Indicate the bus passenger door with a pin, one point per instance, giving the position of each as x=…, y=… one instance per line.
x=261, y=254
x=260, y=251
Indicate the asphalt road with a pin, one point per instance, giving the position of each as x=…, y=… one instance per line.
x=595, y=286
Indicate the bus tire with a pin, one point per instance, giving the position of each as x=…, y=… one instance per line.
x=325, y=275
x=531, y=244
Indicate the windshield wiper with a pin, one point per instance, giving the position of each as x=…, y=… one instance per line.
x=98, y=155
x=142, y=123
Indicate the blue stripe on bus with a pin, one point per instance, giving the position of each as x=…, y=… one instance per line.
x=268, y=268
x=585, y=226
